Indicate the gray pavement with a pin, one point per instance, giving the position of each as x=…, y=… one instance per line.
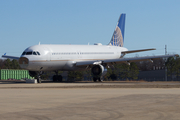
x=54, y=103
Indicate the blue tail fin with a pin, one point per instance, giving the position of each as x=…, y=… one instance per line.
x=118, y=35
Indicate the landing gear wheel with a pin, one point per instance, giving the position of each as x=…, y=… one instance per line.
x=54, y=78
x=57, y=78
x=100, y=79
x=39, y=80
x=94, y=79
x=97, y=79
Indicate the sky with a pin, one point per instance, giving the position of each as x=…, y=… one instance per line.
x=149, y=24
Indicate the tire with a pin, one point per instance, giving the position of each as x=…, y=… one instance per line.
x=100, y=79
x=54, y=78
x=39, y=80
x=59, y=78
x=94, y=79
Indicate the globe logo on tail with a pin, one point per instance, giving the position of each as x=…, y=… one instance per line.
x=118, y=35
x=117, y=38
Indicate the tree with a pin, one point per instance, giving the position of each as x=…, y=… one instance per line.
x=160, y=63
x=2, y=64
x=108, y=74
x=113, y=76
x=15, y=64
x=124, y=71
x=88, y=75
x=148, y=65
x=177, y=67
x=133, y=71
x=8, y=64
x=144, y=65
x=75, y=75
x=11, y=64
x=170, y=64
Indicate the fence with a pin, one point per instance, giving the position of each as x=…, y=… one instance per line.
x=14, y=74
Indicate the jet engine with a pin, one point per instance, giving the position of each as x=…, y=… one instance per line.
x=98, y=71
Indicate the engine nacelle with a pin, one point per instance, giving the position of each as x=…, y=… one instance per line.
x=98, y=70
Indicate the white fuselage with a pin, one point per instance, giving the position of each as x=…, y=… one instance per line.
x=63, y=57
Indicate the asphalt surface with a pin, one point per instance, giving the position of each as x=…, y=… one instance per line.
x=89, y=101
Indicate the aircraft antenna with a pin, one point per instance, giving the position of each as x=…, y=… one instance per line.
x=165, y=49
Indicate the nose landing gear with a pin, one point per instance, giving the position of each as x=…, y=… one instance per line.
x=39, y=79
x=39, y=76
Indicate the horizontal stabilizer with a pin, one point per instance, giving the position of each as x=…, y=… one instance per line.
x=133, y=51
x=10, y=57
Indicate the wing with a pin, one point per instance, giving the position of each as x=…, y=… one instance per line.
x=123, y=60
x=10, y=57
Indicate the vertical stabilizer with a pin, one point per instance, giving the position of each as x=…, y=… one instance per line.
x=118, y=35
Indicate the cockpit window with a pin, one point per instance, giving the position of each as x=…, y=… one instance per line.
x=29, y=53
x=23, y=53
x=38, y=53
x=34, y=53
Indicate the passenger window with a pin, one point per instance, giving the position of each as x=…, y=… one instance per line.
x=34, y=53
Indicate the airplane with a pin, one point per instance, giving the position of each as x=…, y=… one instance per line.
x=97, y=57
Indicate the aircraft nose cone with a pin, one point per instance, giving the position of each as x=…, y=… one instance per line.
x=23, y=62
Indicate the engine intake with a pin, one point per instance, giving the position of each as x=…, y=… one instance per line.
x=98, y=71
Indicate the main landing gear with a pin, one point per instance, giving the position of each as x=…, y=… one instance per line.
x=99, y=79
x=39, y=79
x=57, y=78
x=37, y=75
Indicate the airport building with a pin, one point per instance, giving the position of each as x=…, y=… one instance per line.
x=157, y=75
